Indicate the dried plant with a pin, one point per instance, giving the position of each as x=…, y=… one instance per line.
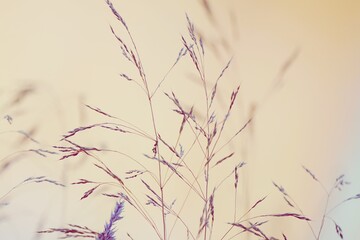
x=207, y=126
x=339, y=183
x=27, y=146
x=76, y=231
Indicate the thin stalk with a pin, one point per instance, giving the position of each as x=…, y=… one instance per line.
x=207, y=172
x=239, y=221
x=299, y=209
x=325, y=211
x=181, y=208
x=143, y=77
x=159, y=164
x=182, y=161
x=137, y=205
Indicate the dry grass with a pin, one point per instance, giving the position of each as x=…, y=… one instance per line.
x=202, y=167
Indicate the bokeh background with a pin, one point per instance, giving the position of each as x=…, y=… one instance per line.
x=56, y=56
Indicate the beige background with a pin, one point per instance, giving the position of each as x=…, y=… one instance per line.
x=65, y=52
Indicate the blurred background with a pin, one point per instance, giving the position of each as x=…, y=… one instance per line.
x=297, y=63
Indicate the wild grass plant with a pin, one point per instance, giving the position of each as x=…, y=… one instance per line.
x=176, y=182
x=23, y=161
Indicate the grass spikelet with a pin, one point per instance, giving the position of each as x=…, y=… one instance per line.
x=109, y=231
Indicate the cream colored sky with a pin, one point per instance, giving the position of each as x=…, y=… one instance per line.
x=66, y=51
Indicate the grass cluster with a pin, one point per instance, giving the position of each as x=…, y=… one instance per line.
x=203, y=165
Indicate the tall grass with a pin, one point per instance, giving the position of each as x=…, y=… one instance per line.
x=204, y=165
